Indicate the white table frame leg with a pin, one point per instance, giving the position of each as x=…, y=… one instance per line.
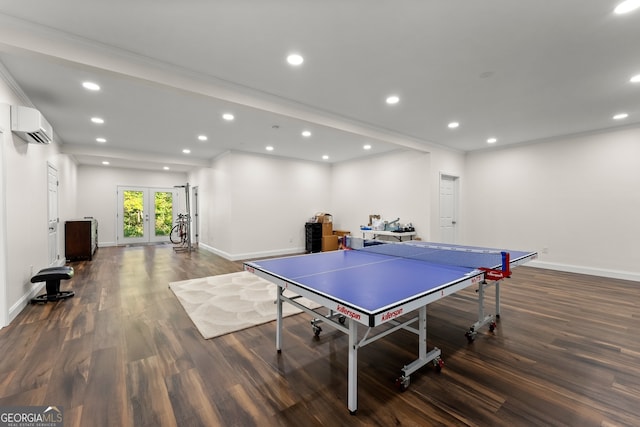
x=353, y=368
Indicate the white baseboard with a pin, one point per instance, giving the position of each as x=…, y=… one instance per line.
x=251, y=255
x=15, y=309
x=613, y=274
x=35, y=289
x=106, y=244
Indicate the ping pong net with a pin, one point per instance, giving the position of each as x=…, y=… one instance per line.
x=494, y=263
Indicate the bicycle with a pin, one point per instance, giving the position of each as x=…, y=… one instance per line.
x=179, y=232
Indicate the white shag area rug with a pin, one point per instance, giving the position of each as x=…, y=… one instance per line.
x=218, y=305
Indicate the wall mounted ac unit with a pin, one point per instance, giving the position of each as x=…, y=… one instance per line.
x=30, y=125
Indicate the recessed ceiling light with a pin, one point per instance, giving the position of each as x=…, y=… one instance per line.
x=228, y=116
x=453, y=125
x=492, y=140
x=105, y=163
x=90, y=86
x=202, y=137
x=325, y=157
x=635, y=79
x=295, y=59
x=101, y=140
x=97, y=120
x=166, y=168
x=269, y=148
x=306, y=133
x=367, y=147
x=393, y=99
x=620, y=116
x=186, y=151
x=627, y=6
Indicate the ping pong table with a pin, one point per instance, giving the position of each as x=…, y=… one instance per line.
x=379, y=285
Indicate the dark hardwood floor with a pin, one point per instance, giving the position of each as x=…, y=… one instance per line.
x=122, y=352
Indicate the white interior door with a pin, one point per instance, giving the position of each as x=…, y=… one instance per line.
x=145, y=215
x=196, y=217
x=448, y=208
x=52, y=213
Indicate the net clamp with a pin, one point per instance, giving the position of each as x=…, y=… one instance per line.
x=491, y=274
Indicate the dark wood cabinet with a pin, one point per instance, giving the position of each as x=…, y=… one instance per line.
x=80, y=239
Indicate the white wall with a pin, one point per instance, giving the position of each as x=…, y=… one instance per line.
x=402, y=184
x=68, y=197
x=396, y=185
x=4, y=306
x=278, y=196
x=25, y=196
x=96, y=193
x=575, y=200
x=257, y=205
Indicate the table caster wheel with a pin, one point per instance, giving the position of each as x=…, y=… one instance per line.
x=402, y=383
x=471, y=335
x=438, y=363
x=316, y=331
x=492, y=326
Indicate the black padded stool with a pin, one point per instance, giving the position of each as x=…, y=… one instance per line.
x=53, y=276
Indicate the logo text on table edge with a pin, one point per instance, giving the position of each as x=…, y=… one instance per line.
x=391, y=314
x=344, y=310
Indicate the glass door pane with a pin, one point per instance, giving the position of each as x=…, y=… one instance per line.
x=132, y=214
x=162, y=214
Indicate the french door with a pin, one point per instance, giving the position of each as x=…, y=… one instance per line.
x=145, y=215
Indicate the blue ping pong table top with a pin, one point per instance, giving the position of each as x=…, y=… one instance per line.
x=367, y=281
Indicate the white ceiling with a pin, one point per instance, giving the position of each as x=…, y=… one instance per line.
x=518, y=71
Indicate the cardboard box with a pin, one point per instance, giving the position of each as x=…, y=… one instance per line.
x=327, y=229
x=323, y=217
x=329, y=243
x=341, y=233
